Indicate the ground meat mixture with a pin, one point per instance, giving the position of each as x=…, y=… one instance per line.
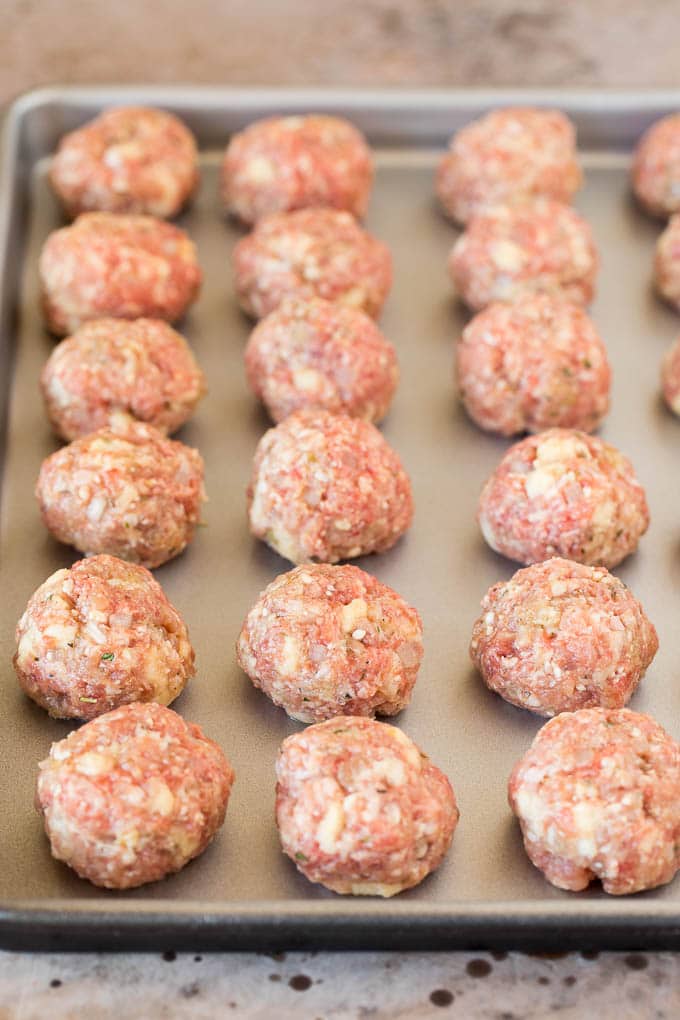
x=124, y=490
x=311, y=253
x=598, y=797
x=100, y=635
x=315, y=353
x=360, y=808
x=122, y=266
x=327, y=487
x=564, y=493
x=532, y=365
x=285, y=163
x=670, y=378
x=507, y=155
x=133, y=795
x=510, y=251
x=559, y=636
x=656, y=167
x=325, y=640
x=128, y=160
x=667, y=263
x=141, y=367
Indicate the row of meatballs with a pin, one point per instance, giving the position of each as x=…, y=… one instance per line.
x=136, y=792
x=329, y=487
x=551, y=639
x=145, y=161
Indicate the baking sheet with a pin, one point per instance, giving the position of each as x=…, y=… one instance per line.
x=243, y=892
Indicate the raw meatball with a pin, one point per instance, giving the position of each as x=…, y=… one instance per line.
x=311, y=253
x=667, y=262
x=314, y=353
x=656, y=167
x=528, y=366
x=142, y=367
x=670, y=378
x=98, y=636
x=133, y=796
x=125, y=266
x=564, y=493
x=510, y=251
x=286, y=163
x=323, y=641
x=506, y=155
x=597, y=797
x=560, y=636
x=124, y=490
x=127, y=160
x=360, y=808
x=327, y=487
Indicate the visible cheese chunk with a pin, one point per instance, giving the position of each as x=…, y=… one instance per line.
x=94, y=764
x=538, y=482
x=507, y=256
x=161, y=799
x=289, y=662
x=352, y=614
x=330, y=827
x=260, y=170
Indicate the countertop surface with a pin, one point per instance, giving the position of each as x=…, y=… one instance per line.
x=336, y=986
x=363, y=43
x=355, y=42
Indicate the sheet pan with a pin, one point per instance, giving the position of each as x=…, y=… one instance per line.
x=243, y=893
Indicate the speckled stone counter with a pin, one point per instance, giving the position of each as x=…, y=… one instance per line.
x=363, y=43
x=332, y=986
